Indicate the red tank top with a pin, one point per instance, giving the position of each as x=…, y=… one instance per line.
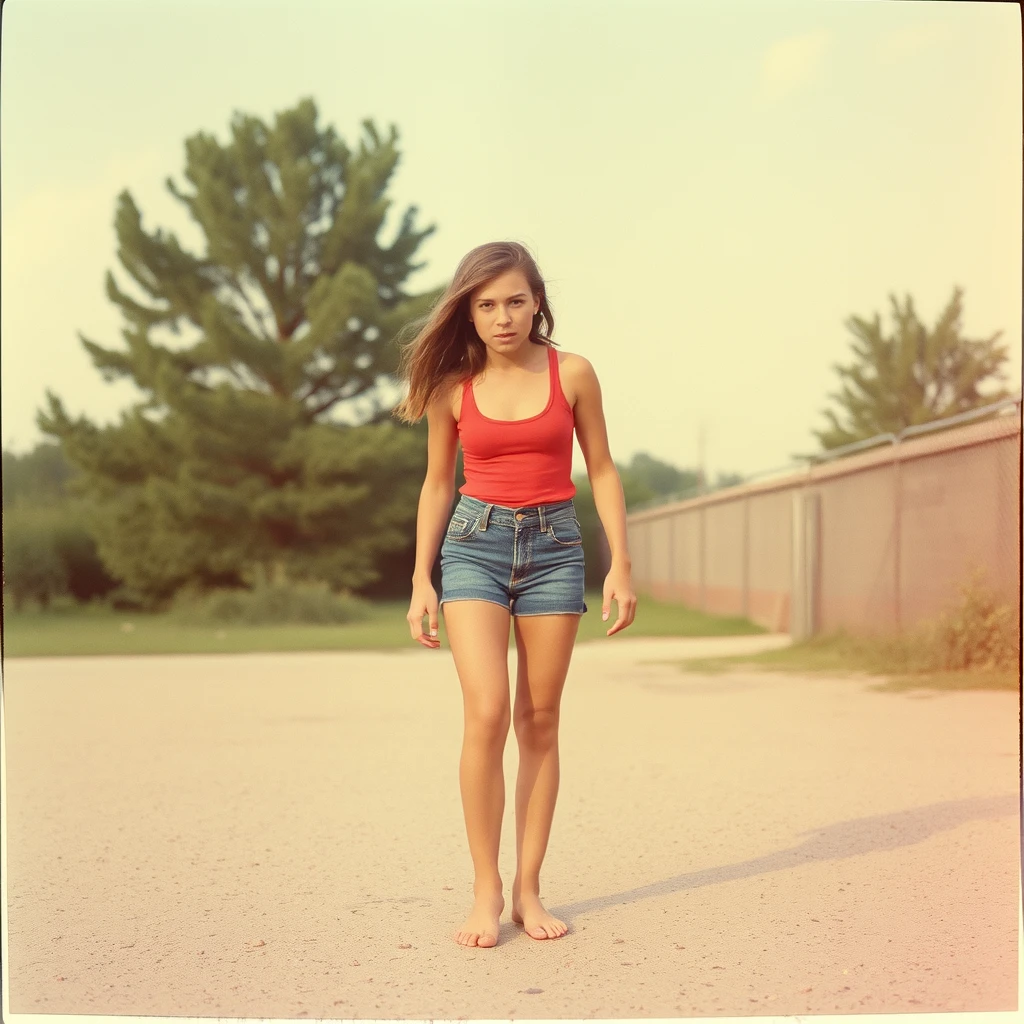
x=519, y=462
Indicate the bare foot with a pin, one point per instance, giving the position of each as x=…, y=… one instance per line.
x=481, y=927
x=528, y=911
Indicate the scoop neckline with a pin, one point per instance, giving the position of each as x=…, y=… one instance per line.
x=537, y=416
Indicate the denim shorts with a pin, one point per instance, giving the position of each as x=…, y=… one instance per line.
x=528, y=559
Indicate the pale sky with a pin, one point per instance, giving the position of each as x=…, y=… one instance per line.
x=711, y=189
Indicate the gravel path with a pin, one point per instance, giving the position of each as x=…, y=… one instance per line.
x=281, y=836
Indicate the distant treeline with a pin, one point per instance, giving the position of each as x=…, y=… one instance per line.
x=50, y=550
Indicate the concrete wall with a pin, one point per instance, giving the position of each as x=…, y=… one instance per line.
x=870, y=542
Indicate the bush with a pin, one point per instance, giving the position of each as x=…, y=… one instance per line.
x=32, y=569
x=49, y=553
x=976, y=632
x=980, y=632
x=268, y=603
x=127, y=599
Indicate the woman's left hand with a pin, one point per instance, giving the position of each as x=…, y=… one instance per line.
x=619, y=586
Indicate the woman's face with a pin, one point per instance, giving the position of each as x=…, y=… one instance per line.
x=502, y=312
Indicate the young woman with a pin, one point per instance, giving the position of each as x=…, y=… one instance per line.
x=484, y=371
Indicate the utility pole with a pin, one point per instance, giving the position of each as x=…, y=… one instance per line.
x=701, y=479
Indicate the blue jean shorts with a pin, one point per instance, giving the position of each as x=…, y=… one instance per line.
x=528, y=559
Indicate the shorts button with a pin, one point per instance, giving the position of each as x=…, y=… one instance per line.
x=519, y=515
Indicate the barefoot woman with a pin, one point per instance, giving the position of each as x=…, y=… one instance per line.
x=483, y=370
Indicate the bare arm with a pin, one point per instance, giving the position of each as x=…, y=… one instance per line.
x=607, y=488
x=431, y=513
x=438, y=486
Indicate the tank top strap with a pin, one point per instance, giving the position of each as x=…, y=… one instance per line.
x=467, y=396
x=556, y=382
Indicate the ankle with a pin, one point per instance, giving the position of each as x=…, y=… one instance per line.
x=489, y=886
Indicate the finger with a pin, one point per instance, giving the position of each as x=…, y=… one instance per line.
x=416, y=623
x=619, y=619
x=620, y=623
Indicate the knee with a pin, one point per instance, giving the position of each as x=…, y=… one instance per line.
x=488, y=723
x=537, y=728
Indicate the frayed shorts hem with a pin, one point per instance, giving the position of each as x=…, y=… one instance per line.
x=508, y=608
x=471, y=597
x=527, y=615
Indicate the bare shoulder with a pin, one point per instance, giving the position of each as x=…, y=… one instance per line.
x=449, y=395
x=576, y=374
x=441, y=407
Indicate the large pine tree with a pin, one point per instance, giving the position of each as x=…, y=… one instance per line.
x=233, y=466
x=913, y=376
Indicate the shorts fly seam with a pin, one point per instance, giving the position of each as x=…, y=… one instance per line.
x=515, y=553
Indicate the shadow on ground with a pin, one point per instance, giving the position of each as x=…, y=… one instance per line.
x=833, y=842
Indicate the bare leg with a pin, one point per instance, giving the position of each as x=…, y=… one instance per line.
x=545, y=645
x=478, y=635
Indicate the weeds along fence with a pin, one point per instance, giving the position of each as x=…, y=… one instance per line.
x=871, y=538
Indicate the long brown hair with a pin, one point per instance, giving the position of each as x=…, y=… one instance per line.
x=446, y=347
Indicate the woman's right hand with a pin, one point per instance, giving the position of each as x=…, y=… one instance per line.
x=424, y=602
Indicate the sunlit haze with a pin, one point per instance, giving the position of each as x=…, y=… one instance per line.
x=711, y=189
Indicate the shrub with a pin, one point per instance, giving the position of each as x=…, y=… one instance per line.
x=980, y=632
x=32, y=566
x=268, y=603
x=49, y=554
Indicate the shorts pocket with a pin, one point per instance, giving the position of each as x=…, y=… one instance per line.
x=461, y=528
x=567, y=533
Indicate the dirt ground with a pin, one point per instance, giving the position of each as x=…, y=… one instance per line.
x=281, y=836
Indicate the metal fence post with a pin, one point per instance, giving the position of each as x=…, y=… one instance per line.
x=703, y=559
x=745, y=569
x=898, y=535
x=797, y=600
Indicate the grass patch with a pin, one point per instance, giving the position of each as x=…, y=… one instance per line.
x=974, y=644
x=63, y=632
x=899, y=661
x=957, y=679
x=70, y=630
x=662, y=618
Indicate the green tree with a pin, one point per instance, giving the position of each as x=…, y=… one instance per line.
x=728, y=480
x=39, y=476
x=231, y=468
x=660, y=479
x=33, y=568
x=644, y=480
x=49, y=553
x=48, y=550
x=912, y=376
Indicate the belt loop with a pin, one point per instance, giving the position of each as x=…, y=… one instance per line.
x=543, y=523
x=486, y=518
